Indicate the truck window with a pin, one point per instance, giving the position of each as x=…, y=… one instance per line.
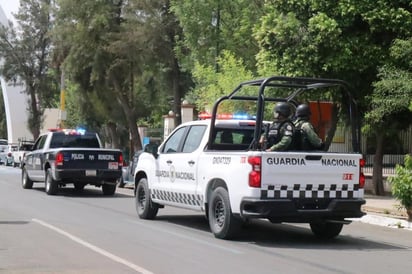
x=67, y=140
x=232, y=138
x=193, y=138
x=40, y=142
x=172, y=144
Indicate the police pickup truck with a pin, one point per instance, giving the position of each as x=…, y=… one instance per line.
x=61, y=157
x=234, y=180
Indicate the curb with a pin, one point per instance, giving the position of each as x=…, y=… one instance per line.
x=391, y=222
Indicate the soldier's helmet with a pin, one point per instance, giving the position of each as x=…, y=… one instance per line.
x=283, y=109
x=303, y=110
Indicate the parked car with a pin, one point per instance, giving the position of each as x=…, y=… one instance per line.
x=128, y=169
x=3, y=151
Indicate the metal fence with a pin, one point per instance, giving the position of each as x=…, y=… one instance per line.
x=388, y=166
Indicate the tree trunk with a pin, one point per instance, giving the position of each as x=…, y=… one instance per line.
x=113, y=134
x=177, y=96
x=35, y=114
x=131, y=118
x=377, y=178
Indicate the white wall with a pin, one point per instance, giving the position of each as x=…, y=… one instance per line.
x=15, y=105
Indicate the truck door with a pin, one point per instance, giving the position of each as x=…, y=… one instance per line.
x=35, y=159
x=178, y=166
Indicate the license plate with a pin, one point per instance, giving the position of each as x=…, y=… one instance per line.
x=90, y=172
x=113, y=165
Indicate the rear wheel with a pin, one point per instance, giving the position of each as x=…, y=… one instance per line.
x=51, y=184
x=25, y=180
x=221, y=220
x=109, y=189
x=145, y=208
x=325, y=230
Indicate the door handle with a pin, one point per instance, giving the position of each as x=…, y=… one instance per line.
x=191, y=162
x=169, y=162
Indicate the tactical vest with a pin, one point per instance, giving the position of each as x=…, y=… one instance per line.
x=274, y=134
x=301, y=140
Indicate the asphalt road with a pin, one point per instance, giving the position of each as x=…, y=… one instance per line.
x=90, y=233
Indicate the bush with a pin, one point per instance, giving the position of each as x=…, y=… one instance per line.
x=401, y=184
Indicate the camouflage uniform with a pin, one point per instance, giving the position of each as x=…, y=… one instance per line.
x=280, y=135
x=312, y=139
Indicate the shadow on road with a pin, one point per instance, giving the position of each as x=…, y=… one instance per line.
x=262, y=233
x=90, y=191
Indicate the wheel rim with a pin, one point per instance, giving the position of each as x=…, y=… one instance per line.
x=219, y=213
x=141, y=198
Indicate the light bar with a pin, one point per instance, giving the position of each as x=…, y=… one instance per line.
x=227, y=116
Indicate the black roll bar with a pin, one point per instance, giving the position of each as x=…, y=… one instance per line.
x=300, y=84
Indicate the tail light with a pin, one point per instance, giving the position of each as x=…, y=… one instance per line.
x=121, y=160
x=59, y=159
x=9, y=154
x=361, y=175
x=255, y=174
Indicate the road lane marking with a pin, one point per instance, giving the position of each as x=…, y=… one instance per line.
x=94, y=248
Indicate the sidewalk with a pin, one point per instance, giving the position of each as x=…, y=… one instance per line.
x=385, y=211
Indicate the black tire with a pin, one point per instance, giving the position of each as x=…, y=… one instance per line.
x=78, y=187
x=145, y=208
x=121, y=182
x=51, y=186
x=26, y=183
x=325, y=230
x=109, y=189
x=221, y=220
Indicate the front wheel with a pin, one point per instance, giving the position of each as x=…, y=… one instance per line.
x=145, y=208
x=26, y=183
x=221, y=220
x=325, y=230
x=51, y=184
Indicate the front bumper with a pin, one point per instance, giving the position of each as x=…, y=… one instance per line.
x=301, y=210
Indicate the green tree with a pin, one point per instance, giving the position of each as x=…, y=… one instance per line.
x=212, y=26
x=80, y=37
x=390, y=103
x=26, y=52
x=161, y=34
x=121, y=58
x=210, y=85
x=347, y=39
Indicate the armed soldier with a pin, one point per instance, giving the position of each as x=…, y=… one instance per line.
x=279, y=136
x=307, y=138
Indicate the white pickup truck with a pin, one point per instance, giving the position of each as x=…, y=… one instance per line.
x=233, y=182
x=18, y=151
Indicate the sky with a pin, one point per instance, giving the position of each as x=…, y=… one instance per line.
x=9, y=6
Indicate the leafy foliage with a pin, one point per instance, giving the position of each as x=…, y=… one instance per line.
x=211, y=85
x=389, y=101
x=26, y=52
x=402, y=183
x=212, y=26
